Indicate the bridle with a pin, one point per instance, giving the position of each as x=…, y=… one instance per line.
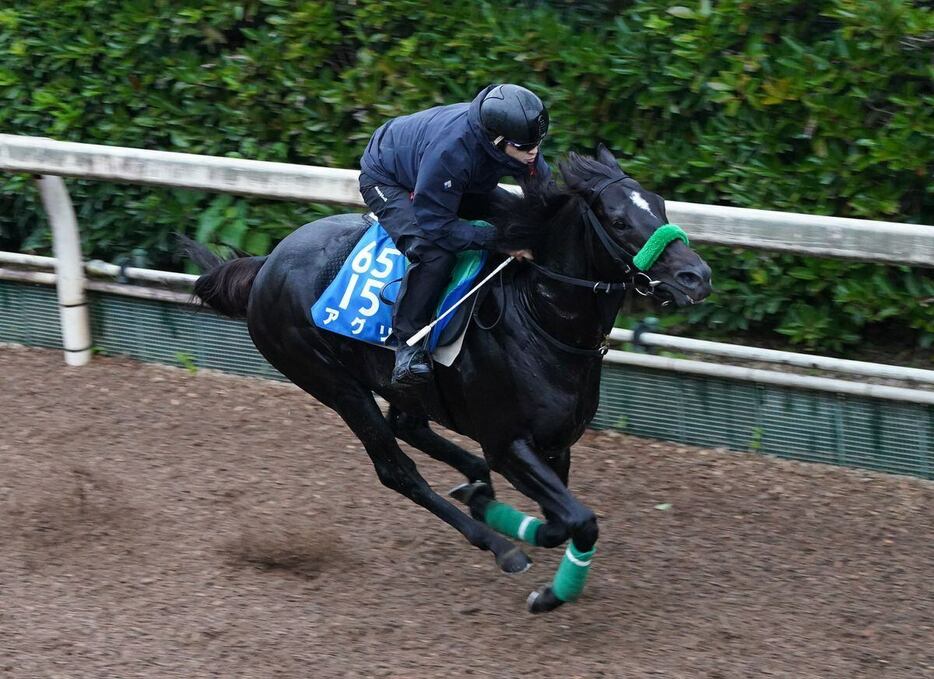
x=638, y=280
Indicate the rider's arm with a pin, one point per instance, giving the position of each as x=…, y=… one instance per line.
x=438, y=192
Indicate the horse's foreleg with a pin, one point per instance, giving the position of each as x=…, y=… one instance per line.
x=566, y=514
x=510, y=521
x=397, y=471
x=417, y=433
x=554, y=531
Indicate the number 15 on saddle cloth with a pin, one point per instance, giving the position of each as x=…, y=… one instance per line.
x=358, y=302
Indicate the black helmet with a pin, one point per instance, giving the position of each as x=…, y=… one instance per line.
x=515, y=114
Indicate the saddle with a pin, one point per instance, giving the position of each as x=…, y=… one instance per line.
x=358, y=302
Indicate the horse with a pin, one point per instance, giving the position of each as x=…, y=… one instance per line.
x=526, y=382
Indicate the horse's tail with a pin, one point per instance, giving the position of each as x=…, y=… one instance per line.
x=226, y=285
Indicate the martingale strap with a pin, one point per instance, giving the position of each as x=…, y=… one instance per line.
x=653, y=248
x=596, y=352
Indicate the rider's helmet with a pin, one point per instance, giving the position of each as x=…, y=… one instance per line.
x=513, y=114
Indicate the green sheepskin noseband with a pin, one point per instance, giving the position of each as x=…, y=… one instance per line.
x=654, y=247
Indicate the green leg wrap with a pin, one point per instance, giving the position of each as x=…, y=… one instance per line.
x=508, y=520
x=572, y=573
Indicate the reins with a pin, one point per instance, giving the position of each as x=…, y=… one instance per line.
x=594, y=286
x=633, y=265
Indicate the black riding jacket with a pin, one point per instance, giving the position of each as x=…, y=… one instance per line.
x=440, y=154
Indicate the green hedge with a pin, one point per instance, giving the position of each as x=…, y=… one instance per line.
x=821, y=107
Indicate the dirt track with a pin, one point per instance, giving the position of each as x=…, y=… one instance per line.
x=155, y=523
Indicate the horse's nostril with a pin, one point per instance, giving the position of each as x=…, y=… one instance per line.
x=689, y=279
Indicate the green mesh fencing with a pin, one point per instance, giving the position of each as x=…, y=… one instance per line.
x=176, y=334
x=29, y=315
x=814, y=426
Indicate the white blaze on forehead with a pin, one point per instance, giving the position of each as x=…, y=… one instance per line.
x=640, y=202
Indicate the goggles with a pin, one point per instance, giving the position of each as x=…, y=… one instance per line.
x=519, y=146
x=524, y=147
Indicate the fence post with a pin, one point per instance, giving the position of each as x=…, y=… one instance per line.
x=69, y=269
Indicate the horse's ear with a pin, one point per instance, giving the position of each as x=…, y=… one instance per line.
x=607, y=158
x=571, y=177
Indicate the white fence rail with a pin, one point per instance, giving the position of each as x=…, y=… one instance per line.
x=735, y=372
x=185, y=281
x=910, y=377
x=804, y=234
x=761, y=229
x=38, y=155
x=789, y=358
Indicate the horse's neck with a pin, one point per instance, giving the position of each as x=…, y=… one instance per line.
x=573, y=314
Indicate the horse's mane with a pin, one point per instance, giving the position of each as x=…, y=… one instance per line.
x=525, y=220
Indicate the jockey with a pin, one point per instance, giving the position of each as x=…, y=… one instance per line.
x=419, y=171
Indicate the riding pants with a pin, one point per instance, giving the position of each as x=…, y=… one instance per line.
x=429, y=265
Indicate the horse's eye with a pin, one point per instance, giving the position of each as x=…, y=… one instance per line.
x=620, y=224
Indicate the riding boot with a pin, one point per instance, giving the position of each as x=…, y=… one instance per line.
x=413, y=365
x=429, y=269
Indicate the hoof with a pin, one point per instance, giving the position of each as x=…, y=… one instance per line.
x=475, y=495
x=466, y=491
x=543, y=600
x=514, y=561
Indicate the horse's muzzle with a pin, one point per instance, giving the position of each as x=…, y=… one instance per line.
x=689, y=285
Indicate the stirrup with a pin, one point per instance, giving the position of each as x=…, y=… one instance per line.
x=403, y=372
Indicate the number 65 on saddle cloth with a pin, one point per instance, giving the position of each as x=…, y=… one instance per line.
x=358, y=302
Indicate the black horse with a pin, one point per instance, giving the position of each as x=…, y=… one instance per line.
x=526, y=382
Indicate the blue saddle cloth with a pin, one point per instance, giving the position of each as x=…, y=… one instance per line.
x=358, y=302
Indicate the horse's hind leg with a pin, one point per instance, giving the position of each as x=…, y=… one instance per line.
x=511, y=522
x=397, y=471
x=417, y=433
